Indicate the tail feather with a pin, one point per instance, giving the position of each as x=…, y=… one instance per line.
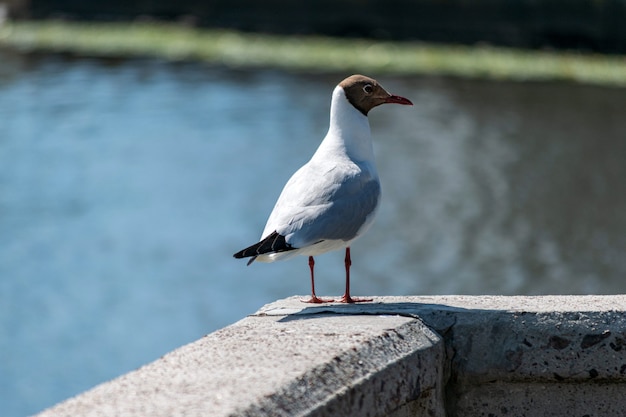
x=271, y=244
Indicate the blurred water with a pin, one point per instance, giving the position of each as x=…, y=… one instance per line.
x=125, y=187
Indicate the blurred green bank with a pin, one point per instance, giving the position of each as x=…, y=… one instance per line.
x=310, y=53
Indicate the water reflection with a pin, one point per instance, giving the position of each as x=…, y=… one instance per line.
x=521, y=189
x=125, y=186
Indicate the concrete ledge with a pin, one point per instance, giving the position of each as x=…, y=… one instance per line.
x=397, y=356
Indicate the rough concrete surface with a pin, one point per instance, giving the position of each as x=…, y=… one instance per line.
x=397, y=357
x=281, y=365
x=522, y=356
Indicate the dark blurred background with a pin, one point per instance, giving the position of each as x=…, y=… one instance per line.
x=572, y=24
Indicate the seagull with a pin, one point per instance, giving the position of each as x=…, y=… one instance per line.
x=332, y=199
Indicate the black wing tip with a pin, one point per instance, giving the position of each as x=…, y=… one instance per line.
x=241, y=254
x=271, y=244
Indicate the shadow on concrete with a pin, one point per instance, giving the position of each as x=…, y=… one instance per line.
x=439, y=317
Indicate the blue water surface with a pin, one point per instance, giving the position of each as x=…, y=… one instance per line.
x=127, y=185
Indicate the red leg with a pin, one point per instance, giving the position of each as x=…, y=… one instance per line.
x=346, y=297
x=314, y=298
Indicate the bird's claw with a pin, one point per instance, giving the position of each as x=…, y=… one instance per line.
x=316, y=300
x=349, y=300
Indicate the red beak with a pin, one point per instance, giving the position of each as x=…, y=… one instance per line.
x=398, y=100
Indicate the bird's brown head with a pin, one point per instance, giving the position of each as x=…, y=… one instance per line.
x=364, y=93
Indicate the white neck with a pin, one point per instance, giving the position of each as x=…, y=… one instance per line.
x=349, y=130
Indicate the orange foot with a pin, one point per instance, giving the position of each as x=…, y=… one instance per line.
x=316, y=300
x=349, y=300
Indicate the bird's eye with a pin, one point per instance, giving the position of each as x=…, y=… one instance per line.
x=368, y=89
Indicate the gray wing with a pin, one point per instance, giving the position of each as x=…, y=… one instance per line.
x=343, y=219
x=332, y=206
